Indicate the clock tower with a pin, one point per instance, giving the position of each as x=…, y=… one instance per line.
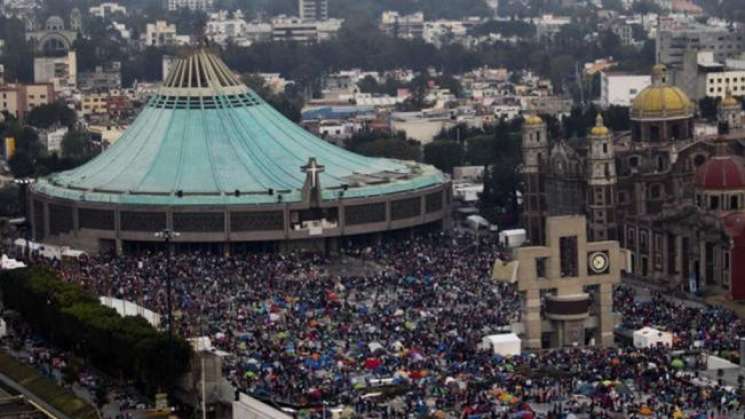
x=566, y=286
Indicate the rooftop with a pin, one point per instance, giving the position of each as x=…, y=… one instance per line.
x=207, y=139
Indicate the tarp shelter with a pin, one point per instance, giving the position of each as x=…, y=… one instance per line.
x=512, y=238
x=648, y=337
x=507, y=344
x=477, y=222
x=505, y=271
x=7, y=264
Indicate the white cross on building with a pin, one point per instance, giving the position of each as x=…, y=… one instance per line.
x=313, y=169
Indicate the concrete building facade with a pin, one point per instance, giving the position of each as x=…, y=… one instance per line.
x=19, y=99
x=62, y=72
x=403, y=26
x=618, y=89
x=672, y=44
x=194, y=5
x=313, y=10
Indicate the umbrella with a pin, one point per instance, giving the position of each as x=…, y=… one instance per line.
x=677, y=363
x=646, y=411
x=373, y=363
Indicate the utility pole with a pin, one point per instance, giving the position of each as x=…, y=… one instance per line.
x=24, y=183
x=167, y=235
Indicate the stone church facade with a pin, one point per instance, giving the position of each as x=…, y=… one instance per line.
x=676, y=201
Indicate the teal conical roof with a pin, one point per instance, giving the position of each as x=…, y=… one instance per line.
x=205, y=135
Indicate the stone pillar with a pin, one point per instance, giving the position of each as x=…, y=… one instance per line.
x=702, y=264
x=605, y=315
x=532, y=319
x=679, y=257
x=665, y=255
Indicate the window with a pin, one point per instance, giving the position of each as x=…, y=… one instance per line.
x=714, y=203
x=540, y=267
x=605, y=148
x=733, y=204
x=655, y=191
x=568, y=256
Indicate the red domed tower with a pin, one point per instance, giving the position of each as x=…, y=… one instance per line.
x=720, y=184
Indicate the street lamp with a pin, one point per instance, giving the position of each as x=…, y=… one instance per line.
x=24, y=183
x=167, y=235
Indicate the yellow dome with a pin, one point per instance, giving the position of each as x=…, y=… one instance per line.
x=599, y=129
x=661, y=101
x=533, y=120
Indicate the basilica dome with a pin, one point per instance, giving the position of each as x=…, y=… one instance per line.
x=661, y=101
x=721, y=173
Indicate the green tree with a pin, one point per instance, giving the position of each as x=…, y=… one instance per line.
x=481, y=150
x=56, y=113
x=444, y=154
x=615, y=5
x=288, y=103
x=76, y=145
x=21, y=164
x=368, y=85
x=645, y=7
x=393, y=148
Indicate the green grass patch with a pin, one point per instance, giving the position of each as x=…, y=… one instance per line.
x=46, y=389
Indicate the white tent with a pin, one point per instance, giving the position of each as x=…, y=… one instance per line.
x=512, y=238
x=476, y=222
x=648, y=337
x=7, y=264
x=507, y=344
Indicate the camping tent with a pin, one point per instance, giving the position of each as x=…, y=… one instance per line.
x=647, y=337
x=507, y=344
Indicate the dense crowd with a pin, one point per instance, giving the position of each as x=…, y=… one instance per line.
x=402, y=333
x=713, y=328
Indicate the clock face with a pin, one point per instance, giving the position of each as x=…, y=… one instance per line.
x=598, y=262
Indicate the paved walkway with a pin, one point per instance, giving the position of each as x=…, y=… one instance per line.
x=47, y=408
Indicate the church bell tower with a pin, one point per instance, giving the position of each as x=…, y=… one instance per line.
x=535, y=150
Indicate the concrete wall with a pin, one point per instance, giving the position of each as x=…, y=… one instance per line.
x=249, y=408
